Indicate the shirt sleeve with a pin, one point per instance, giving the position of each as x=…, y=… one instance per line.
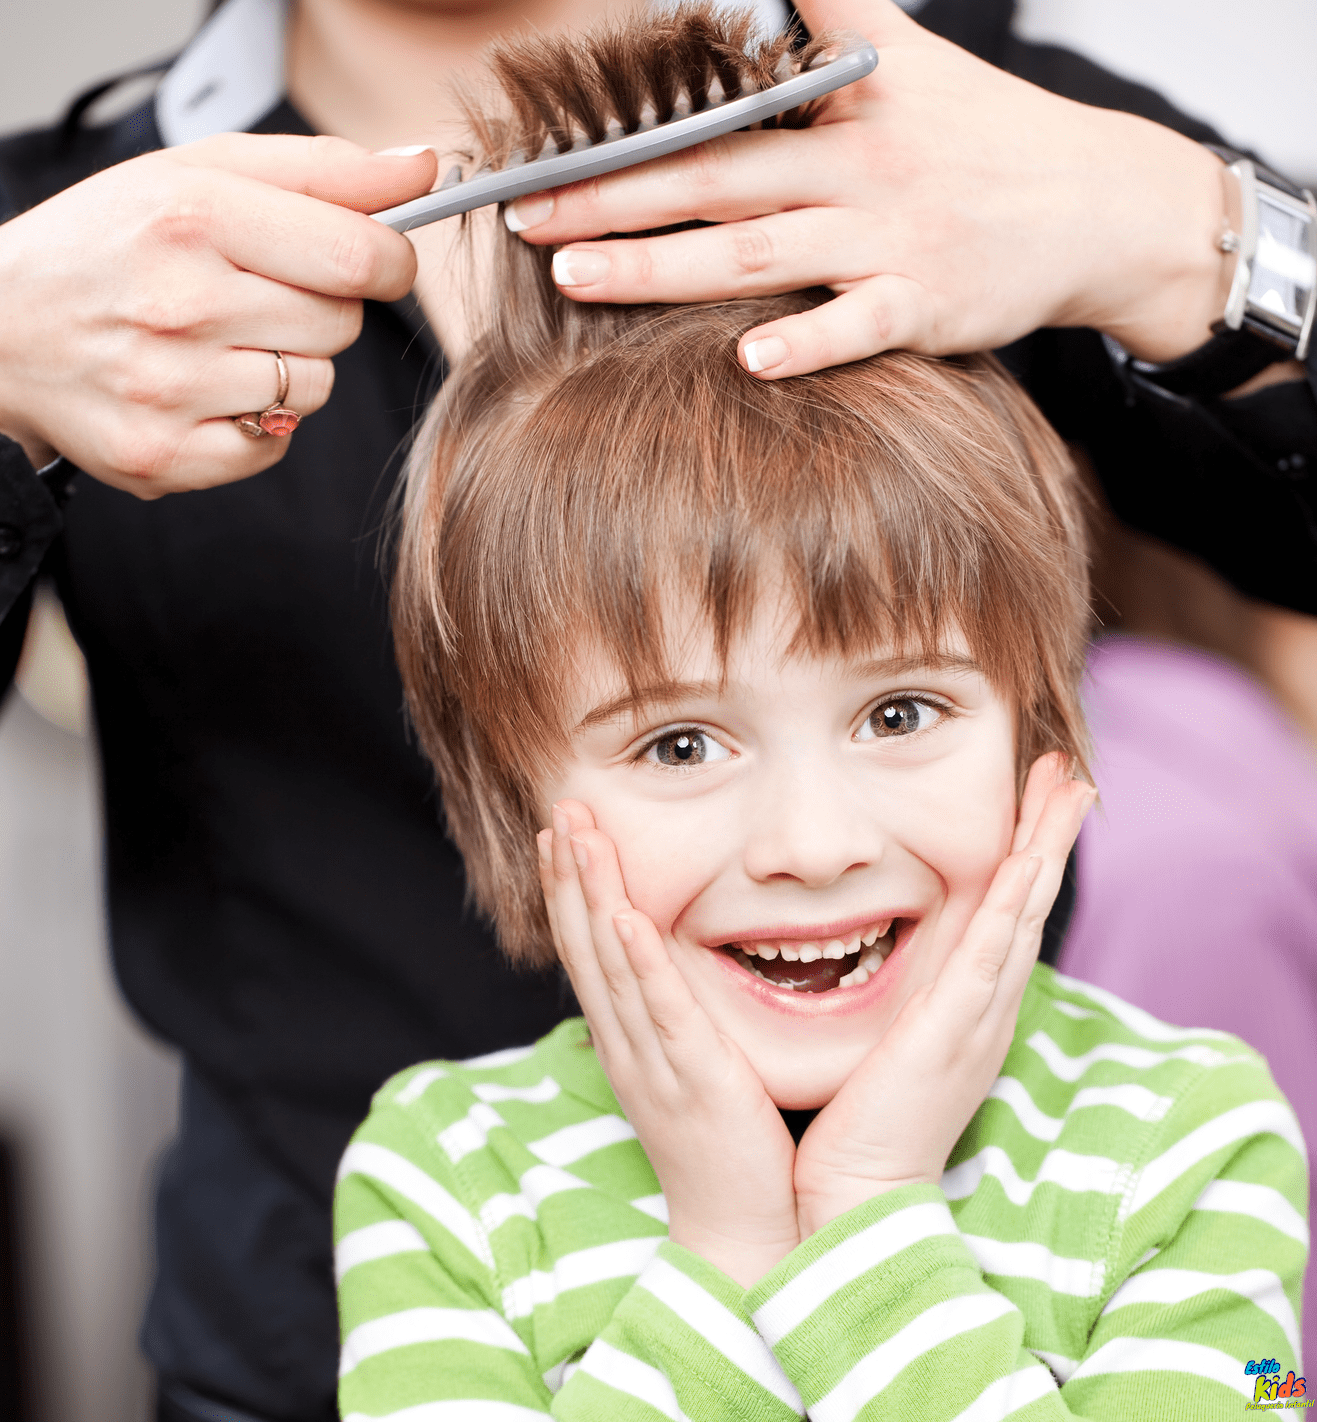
x=891, y=1312
x=29, y=521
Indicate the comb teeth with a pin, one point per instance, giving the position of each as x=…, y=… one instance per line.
x=561, y=95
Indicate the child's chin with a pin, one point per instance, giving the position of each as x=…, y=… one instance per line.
x=804, y=1080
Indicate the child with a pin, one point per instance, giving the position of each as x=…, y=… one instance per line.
x=756, y=705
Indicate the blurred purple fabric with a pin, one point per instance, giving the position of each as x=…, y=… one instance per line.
x=1198, y=867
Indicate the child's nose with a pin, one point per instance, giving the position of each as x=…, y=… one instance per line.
x=808, y=828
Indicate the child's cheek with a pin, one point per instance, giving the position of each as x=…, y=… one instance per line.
x=663, y=866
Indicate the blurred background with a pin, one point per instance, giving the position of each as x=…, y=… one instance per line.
x=87, y=1099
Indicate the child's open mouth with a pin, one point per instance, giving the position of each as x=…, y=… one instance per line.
x=818, y=966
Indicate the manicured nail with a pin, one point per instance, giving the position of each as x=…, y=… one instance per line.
x=409, y=152
x=766, y=353
x=580, y=853
x=560, y=823
x=624, y=929
x=580, y=268
x=528, y=212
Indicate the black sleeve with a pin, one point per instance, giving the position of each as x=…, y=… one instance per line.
x=29, y=523
x=1232, y=481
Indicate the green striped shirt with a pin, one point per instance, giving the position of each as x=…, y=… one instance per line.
x=1118, y=1233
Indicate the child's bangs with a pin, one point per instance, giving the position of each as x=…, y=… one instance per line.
x=888, y=500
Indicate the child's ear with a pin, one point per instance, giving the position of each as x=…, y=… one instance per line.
x=1045, y=774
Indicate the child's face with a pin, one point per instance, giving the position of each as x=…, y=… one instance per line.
x=799, y=809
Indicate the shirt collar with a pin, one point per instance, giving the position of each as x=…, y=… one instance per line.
x=231, y=75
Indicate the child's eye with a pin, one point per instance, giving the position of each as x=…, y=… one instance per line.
x=900, y=716
x=685, y=747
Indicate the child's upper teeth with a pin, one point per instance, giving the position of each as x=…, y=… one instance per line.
x=835, y=949
x=791, y=953
x=768, y=950
x=810, y=952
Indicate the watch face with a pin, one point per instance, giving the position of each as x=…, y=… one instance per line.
x=1284, y=270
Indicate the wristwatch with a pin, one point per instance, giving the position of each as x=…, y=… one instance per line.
x=1273, y=297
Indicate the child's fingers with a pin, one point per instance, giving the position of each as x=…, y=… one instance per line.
x=682, y=1028
x=1052, y=839
x=572, y=931
x=641, y=973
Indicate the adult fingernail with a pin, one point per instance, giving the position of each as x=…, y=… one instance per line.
x=625, y=931
x=580, y=853
x=409, y=152
x=764, y=354
x=580, y=268
x=528, y=212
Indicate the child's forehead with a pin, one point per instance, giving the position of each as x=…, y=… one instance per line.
x=762, y=663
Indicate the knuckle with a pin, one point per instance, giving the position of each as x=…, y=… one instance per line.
x=144, y=459
x=752, y=249
x=355, y=262
x=704, y=168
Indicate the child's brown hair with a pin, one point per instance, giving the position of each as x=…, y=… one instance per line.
x=585, y=462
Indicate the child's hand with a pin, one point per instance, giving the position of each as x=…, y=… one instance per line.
x=896, y=1119
x=717, y=1143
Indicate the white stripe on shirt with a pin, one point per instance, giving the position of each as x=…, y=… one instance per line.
x=842, y=1265
x=1162, y=1355
x=426, y=1325
x=574, y=1271
x=1239, y=1197
x=732, y=1337
x=1021, y=1259
x=1254, y=1118
x=573, y=1143
x=877, y=1369
x=1175, y=1286
x=376, y=1241
x=377, y=1162
x=629, y=1375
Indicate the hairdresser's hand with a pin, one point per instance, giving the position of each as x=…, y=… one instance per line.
x=896, y=1119
x=952, y=206
x=140, y=306
x=717, y=1143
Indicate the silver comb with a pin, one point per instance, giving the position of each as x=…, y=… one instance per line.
x=591, y=160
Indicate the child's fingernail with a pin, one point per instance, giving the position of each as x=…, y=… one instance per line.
x=580, y=853
x=580, y=268
x=1032, y=867
x=409, y=152
x=544, y=843
x=764, y=354
x=624, y=929
x=560, y=824
x=528, y=212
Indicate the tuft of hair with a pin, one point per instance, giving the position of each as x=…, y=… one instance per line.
x=555, y=93
x=583, y=463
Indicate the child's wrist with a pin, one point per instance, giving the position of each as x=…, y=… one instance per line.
x=746, y=1262
x=816, y=1211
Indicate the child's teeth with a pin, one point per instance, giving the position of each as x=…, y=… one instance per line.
x=835, y=949
x=790, y=953
x=810, y=952
x=870, y=938
x=857, y=978
x=768, y=951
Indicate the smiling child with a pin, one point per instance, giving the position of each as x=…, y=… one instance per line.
x=756, y=706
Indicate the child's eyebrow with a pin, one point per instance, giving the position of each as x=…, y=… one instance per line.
x=667, y=693
x=663, y=693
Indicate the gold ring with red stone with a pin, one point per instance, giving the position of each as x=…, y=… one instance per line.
x=275, y=419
